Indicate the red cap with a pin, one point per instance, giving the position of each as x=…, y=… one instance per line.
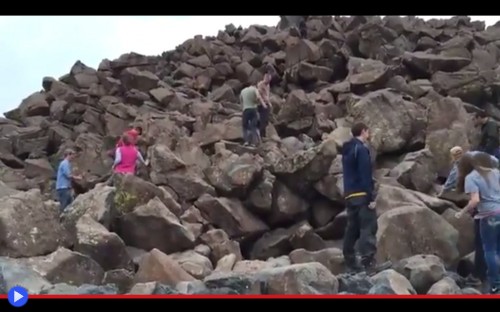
x=133, y=133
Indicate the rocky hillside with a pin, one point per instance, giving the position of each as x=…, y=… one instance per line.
x=211, y=216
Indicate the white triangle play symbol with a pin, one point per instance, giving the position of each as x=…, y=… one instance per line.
x=17, y=296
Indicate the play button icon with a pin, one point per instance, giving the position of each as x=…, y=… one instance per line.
x=18, y=296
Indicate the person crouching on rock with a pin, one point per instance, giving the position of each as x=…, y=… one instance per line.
x=250, y=99
x=479, y=177
x=456, y=154
x=264, y=108
x=126, y=157
x=64, y=179
x=360, y=197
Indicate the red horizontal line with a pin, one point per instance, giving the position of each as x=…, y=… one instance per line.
x=260, y=297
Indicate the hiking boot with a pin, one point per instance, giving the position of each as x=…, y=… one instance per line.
x=472, y=281
x=371, y=267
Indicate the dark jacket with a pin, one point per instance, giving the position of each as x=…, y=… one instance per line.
x=357, y=170
x=489, y=138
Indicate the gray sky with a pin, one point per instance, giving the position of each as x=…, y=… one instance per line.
x=32, y=47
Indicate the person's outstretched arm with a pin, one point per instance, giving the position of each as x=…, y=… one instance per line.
x=141, y=159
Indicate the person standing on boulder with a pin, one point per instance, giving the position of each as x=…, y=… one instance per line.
x=479, y=177
x=127, y=156
x=64, y=178
x=264, y=108
x=360, y=197
x=489, y=142
x=250, y=99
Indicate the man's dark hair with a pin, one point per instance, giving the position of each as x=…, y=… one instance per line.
x=357, y=128
x=481, y=114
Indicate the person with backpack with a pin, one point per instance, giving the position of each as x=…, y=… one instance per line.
x=479, y=177
x=359, y=191
x=126, y=157
x=489, y=141
x=133, y=135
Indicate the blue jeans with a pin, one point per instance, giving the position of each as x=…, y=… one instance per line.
x=65, y=198
x=250, y=120
x=263, y=119
x=479, y=262
x=496, y=153
x=490, y=235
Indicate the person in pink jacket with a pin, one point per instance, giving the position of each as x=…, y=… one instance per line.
x=126, y=157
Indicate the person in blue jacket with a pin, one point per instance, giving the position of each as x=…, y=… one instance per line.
x=360, y=194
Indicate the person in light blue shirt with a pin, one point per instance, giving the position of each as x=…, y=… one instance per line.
x=457, y=154
x=64, y=178
x=480, y=179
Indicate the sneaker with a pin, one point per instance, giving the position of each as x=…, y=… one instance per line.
x=472, y=281
x=371, y=267
x=495, y=290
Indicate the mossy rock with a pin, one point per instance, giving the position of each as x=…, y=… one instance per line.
x=132, y=191
x=125, y=202
x=15, y=115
